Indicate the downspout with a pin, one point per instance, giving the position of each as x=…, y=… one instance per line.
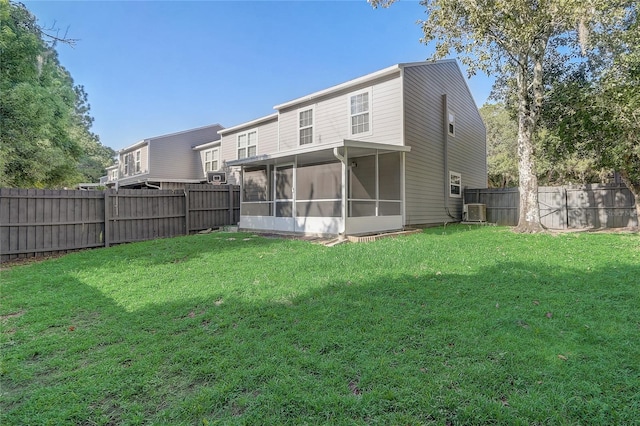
x=343, y=189
x=445, y=148
x=150, y=185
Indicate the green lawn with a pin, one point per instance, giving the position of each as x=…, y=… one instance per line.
x=457, y=325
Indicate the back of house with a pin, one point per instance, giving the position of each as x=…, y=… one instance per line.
x=377, y=153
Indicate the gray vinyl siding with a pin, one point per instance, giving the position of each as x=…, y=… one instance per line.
x=424, y=86
x=332, y=116
x=267, y=139
x=173, y=157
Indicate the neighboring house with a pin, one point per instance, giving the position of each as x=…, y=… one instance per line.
x=378, y=153
x=166, y=162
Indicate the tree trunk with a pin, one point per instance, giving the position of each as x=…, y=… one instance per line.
x=635, y=190
x=529, y=219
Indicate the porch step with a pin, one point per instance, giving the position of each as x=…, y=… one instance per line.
x=375, y=237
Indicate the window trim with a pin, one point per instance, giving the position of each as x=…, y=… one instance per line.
x=369, y=111
x=451, y=123
x=311, y=126
x=453, y=174
x=212, y=160
x=247, y=146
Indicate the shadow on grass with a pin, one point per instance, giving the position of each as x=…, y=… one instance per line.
x=514, y=343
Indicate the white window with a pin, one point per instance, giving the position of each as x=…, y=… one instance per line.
x=305, y=126
x=128, y=164
x=247, y=144
x=211, y=160
x=360, y=110
x=455, y=184
x=138, y=161
x=114, y=174
x=451, y=118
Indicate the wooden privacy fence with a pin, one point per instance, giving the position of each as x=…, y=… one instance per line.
x=36, y=222
x=563, y=207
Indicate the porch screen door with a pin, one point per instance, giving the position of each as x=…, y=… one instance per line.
x=284, y=191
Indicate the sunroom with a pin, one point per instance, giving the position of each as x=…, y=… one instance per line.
x=349, y=188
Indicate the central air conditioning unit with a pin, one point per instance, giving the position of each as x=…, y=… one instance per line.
x=474, y=212
x=217, y=178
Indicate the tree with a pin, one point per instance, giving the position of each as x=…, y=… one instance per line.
x=44, y=118
x=594, y=107
x=513, y=39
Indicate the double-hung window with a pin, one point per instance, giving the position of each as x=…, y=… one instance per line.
x=211, y=160
x=138, y=161
x=360, y=113
x=305, y=126
x=247, y=144
x=128, y=164
x=455, y=184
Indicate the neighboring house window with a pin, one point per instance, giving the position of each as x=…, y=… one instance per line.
x=359, y=105
x=455, y=184
x=451, y=117
x=305, y=124
x=114, y=174
x=138, y=161
x=211, y=158
x=128, y=164
x=247, y=144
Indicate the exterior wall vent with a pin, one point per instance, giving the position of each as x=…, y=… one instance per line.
x=217, y=178
x=474, y=212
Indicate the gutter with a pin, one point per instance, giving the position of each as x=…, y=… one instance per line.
x=445, y=147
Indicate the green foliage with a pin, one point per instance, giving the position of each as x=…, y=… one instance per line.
x=594, y=107
x=520, y=42
x=502, y=145
x=44, y=119
x=457, y=325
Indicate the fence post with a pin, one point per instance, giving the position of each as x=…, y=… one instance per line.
x=186, y=210
x=107, y=217
x=566, y=207
x=230, y=191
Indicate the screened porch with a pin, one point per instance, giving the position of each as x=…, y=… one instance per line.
x=352, y=188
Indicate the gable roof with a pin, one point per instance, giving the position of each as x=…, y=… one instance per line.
x=251, y=123
x=356, y=81
x=215, y=128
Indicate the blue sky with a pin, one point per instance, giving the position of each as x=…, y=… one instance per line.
x=157, y=67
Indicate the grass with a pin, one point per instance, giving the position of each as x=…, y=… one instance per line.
x=457, y=325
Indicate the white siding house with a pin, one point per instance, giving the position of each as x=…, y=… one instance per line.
x=377, y=153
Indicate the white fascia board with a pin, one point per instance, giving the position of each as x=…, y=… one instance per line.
x=374, y=145
x=324, y=147
x=186, y=131
x=342, y=86
x=206, y=145
x=134, y=146
x=248, y=124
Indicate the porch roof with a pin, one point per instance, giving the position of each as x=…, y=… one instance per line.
x=321, y=153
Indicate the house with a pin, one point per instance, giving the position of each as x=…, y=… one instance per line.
x=168, y=161
x=390, y=149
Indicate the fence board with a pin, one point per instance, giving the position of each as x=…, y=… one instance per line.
x=209, y=205
x=45, y=222
x=564, y=207
x=40, y=222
